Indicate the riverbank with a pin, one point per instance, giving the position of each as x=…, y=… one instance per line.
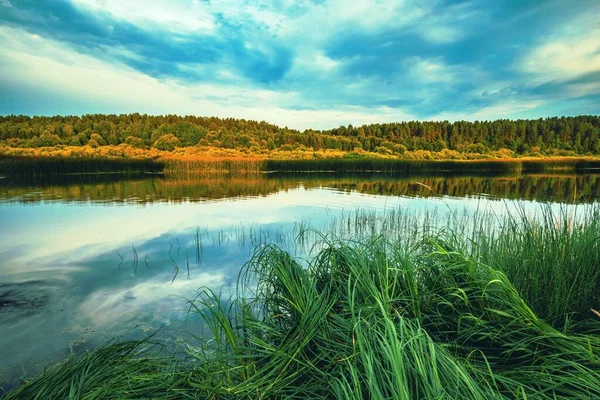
x=198, y=161
x=477, y=312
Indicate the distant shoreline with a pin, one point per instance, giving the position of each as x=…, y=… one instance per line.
x=185, y=161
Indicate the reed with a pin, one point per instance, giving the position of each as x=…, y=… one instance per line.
x=370, y=319
x=395, y=166
x=560, y=164
x=118, y=370
x=489, y=167
x=183, y=167
x=32, y=166
x=552, y=259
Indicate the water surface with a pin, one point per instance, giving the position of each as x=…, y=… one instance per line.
x=84, y=258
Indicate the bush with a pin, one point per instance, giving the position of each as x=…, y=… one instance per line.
x=134, y=142
x=99, y=139
x=478, y=148
x=383, y=150
x=167, y=143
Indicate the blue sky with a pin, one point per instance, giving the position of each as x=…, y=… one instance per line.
x=306, y=63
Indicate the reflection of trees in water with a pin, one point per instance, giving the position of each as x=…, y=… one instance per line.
x=557, y=188
x=140, y=190
x=577, y=189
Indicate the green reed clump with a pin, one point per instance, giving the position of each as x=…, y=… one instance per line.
x=552, y=257
x=412, y=167
x=194, y=167
x=560, y=164
x=28, y=166
x=373, y=320
x=553, y=260
x=119, y=370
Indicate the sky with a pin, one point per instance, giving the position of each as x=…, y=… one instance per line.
x=302, y=63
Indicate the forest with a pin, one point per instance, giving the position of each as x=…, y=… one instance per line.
x=557, y=136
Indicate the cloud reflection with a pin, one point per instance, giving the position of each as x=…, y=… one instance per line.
x=151, y=303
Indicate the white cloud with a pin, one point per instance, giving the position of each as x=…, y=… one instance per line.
x=507, y=109
x=324, y=62
x=451, y=25
x=573, y=50
x=373, y=14
x=315, y=77
x=320, y=22
x=174, y=16
x=430, y=70
x=315, y=23
x=327, y=118
x=153, y=300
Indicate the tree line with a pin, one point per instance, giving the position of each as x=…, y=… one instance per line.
x=558, y=135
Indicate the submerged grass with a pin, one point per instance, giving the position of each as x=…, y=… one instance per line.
x=482, y=312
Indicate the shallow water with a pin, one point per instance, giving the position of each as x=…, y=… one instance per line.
x=83, y=259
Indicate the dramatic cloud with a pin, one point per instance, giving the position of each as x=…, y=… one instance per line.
x=303, y=63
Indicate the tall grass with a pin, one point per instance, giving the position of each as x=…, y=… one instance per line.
x=476, y=310
x=489, y=167
x=553, y=261
x=559, y=164
x=28, y=166
x=395, y=166
x=373, y=320
x=195, y=166
x=552, y=257
x=118, y=370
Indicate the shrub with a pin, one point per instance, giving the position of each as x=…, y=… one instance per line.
x=134, y=142
x=167, y=143
x=99, y=139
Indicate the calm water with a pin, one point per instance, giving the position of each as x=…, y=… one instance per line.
x=85, y=259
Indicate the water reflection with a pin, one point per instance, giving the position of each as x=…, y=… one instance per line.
x=152, y=188
x=75, y=269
